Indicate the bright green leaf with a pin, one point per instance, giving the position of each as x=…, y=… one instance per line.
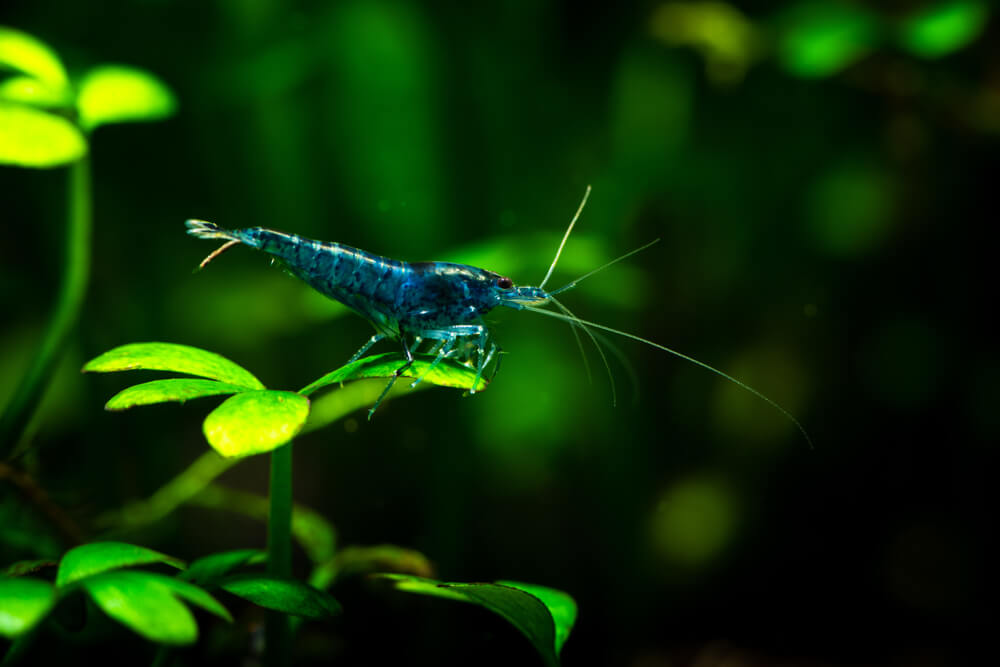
x=32, y=92
x=821, y=38
x=208, y=570
x=943, y=28
x=21, y=51
x=255, y=422
x=284, y=595
x=174, y=389
x=173, y=357
x=87, y=560
x=117, y=94
x=24, y=601
x=33, y=138
x=561, y=606
x=448, y=373
x=544, y=615
x=144, y=604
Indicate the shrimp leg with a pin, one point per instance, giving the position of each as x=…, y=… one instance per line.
x=395, y=376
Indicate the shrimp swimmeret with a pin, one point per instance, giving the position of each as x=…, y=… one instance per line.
x=442, y=303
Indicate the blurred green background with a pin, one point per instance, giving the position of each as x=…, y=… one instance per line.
x=819, y=174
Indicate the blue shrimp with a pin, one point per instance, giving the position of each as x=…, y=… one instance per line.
x=442, y=302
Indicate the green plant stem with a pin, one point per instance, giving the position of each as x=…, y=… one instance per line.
x=278, y=638
x=28, y=394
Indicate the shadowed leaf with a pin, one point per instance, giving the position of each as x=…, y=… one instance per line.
x=90, y=559
x=208, y=570
x=24, y=601
x=544, y=615
x=284, y=595
x=173, y=357
x=117, y=94
x=174, y=389
x=448, y=373
x=254, y=422
x=33, y=138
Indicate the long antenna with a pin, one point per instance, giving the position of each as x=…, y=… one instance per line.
x=744, y=385
x=572, y=284
x=565, y=237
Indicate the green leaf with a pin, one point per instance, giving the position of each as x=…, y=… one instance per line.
x=33, y=138
x=87, y=560
x=255, y=422
x=24, y=567
x=32, y=92
x=943, y=28
x=285, y=595
x=117, y=94
x=819, y=39
x=208, y=570
x=544, y=615
x=561, y=606
x=24, y=601
x=21, y=51
x=448, y=373
x=147, y=603
x=174, y=389
x=173, y=357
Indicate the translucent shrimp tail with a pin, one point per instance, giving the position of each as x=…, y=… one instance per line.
x=771, y=402
x=209, y=230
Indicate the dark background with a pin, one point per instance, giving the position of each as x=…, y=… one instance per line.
x=826, y=237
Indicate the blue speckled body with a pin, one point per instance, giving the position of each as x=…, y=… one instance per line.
x=439, y=302
x=399, y=298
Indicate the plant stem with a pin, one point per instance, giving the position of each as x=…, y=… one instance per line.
x=278, y=638
x=28, y=394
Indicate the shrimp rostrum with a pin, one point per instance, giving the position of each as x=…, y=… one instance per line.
x=439, y=305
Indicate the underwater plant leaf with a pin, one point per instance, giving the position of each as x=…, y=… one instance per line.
x=448, y=373
x=189, y=592
x=21, y=51
x=172, y=357
x=208, y=570
x=33, y=138
x=26, y=567
x=254, y=422
x=32, y=92
x=88, y=560
x=119, y=94
x=820, y=38
x=285, y=595
x=543, y=615
x=141, y=602
x=943, y=28
x=561, y=606
x=24, y=601
x=173, y=389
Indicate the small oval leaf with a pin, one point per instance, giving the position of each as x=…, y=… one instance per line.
x=118, y=94
x=173, y=357
x=255, y=422
x=32, y=92
x=24, y=601
x=447, y=373
x=820, y=38
x=285, y=595
x=87, y=560
x=143, y=604
x=33, y=138
x=174, y=389
x=943, y=28
x=21, y=51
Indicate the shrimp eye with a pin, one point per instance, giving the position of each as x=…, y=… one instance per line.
x=505, y=283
